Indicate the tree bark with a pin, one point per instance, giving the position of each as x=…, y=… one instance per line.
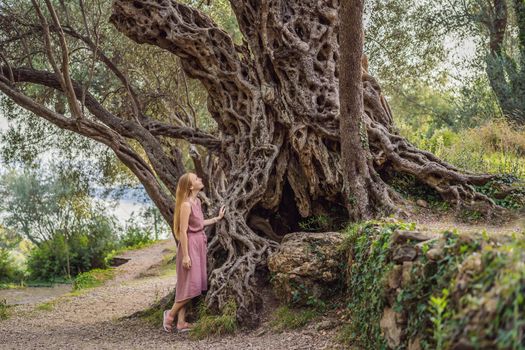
x=365, y=195
x=506, y=74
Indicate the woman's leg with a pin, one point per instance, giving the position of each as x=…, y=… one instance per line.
x=177, y=306
x=181, y=317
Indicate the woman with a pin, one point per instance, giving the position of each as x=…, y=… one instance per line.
x=188, y=226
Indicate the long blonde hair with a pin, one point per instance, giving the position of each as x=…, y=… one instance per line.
x=183, y=193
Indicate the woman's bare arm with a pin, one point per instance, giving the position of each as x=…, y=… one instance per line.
x=215, y=219
x=185, y=211
x=211, y=221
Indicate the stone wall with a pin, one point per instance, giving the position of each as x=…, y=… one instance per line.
x=408, y=288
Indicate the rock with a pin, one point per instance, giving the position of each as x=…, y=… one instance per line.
x=404, y=253
x=402, y=236
x=463, y=344
x=394, y=277
x=422, y=203
x=471, y=266
x=260, y=332
x=305, y=265
x=414, y=344
x=390, y=329
x=117, y=261
x=326, y=325
x=435, y=254
x=406, y=274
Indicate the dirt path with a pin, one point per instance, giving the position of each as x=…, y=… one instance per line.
x=442, y=222
x=96, y=319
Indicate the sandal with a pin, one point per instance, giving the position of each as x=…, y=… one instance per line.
x=187, y=327
x=164, y=324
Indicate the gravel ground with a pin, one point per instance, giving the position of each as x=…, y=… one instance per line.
x=96, y=319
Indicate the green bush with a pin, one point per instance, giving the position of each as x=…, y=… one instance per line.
x=50, y=260
x=136, y=236
x=67, y=256
x=9, y=271
x=495, y=147
x=369, y=244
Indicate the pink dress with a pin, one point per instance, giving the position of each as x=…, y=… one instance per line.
x=193, y=281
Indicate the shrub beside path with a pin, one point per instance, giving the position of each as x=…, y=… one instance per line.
x=97, y=318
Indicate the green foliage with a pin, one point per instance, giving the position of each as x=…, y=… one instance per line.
x=4, y=310
x=438, y=309
x=136, y=236
x=314, y=223
x=92, y=278
x=513, y=200
x=285, y=318
x=498, y=57
x=494, y=147
x=9, y=270
x=410, y=187
x=69, y=231
x=49, y=260
x=430, y=279
x=368, y=243
x=215, y=325
x=29, y=136
x=221, y=13
x=321, y=222
x=414, y=55
x=69, y=255
x=303, y=295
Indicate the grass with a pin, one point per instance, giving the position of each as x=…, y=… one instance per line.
x=4, y=310
x=168, y=268
x=495, y=147
x=47, y=306
x=207, y=325
x=154, y=318
x=215, y=325
x=285, y=318
x=10, y=285
x=92, y=278
x=34, y=283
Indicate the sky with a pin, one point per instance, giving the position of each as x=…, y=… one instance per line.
x=3, y=123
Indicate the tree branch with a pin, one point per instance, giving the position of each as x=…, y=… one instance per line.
x=62, y=74
x=103, y=134
x=124, y=127
x=207, y=53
